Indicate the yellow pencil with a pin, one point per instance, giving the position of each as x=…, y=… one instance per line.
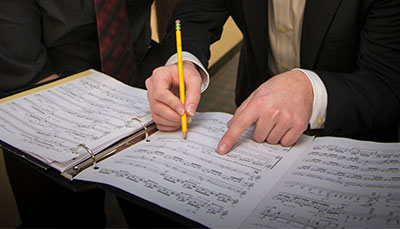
x=180, y=71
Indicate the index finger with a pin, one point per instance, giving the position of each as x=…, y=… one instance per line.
x=160, y=87
x=193, y=87
x=236, y=128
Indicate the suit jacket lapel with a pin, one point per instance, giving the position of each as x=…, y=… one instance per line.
x=255, y=13
x=318, y=15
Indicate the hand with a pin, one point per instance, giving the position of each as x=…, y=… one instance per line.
x=280, y=108
x=51, y=77
x=163, y=94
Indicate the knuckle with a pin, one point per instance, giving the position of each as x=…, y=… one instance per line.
x=286, y=118
x=157, y=94
x=273, y=111
x=173, y=103
x=261, y=101
x=300, y=124
x=156, y=71
x=230, y=137
x=147, y=83
x=240, y=123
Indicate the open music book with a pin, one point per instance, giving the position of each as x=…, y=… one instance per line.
x=322, y=182
x=319, y=182
x=69, y=121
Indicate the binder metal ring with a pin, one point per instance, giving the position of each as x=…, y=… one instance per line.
x=143, y=125
x=90, y=152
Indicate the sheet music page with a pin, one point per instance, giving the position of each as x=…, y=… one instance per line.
x=190, y=178
x=93, y=110
x=336, y=183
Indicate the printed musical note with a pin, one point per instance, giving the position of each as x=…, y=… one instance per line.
x=89, y=110
x=336, y=185
x=190, y=177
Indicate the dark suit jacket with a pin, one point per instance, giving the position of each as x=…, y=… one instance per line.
x=42, y=37
x=353, y=45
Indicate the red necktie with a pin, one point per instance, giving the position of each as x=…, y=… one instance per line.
x=116, y=49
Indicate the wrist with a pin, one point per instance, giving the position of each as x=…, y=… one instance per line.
x=302, y=78
x=320, y=99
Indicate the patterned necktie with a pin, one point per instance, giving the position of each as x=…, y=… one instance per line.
x=116, y=49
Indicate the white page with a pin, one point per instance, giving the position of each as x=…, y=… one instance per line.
x=336, y=183
x=190, y=178
x=93, y=110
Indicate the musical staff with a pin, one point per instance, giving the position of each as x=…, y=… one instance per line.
x=332, y=185
x=190, y=177
x=186, y=199
x=92, y=110
x=272, y=215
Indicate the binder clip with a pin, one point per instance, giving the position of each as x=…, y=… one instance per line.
x=143, y=125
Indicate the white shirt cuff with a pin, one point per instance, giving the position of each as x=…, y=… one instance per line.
x=205, y=77
x=320, y=103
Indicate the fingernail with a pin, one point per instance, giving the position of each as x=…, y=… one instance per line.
x=191, y=109
x=189, y=119
x=222, y=149
x=180, y=110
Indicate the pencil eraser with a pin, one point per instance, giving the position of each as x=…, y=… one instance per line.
x=178, y=21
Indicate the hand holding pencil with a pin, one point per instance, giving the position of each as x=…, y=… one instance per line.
x=163, y=93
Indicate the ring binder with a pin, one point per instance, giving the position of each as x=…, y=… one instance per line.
x=121, y=145
x=143, y=125
x=89, y=151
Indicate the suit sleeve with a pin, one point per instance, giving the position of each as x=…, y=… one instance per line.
x=23, y=56
x=365, y=103
x=202, y=23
